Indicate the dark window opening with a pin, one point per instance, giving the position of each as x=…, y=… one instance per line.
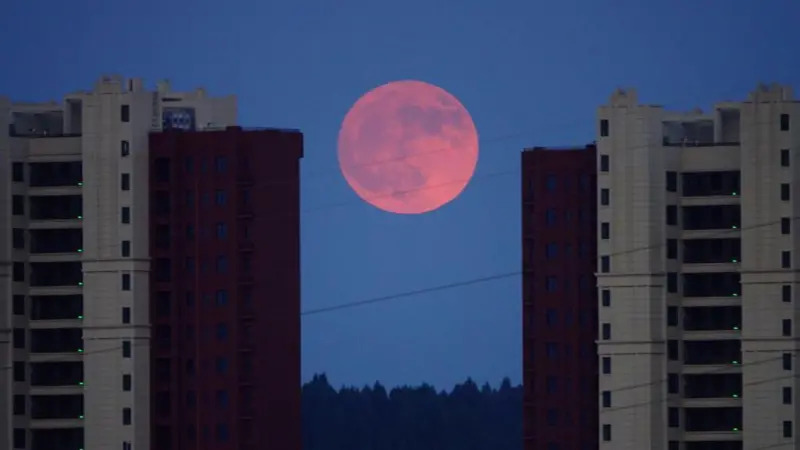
x=786, y=259
x=604, y=163
x=786, y=327
x=786, y=293
x=605, y=230
x=606, y=363
x=125, y=148
x=706, y=184
x=605, y=197
x=785, y=192
x=785, y=122
x=672, y=182
x=604, y=128
x=672, y=215
x=125, y=182
x=785, y=157
x=711, y=217
x=125, y=113
x=605, y=295
x=17, y=172
x=786, y=225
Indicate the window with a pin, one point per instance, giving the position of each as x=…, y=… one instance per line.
x=552, y=417
x=125, y=182
x=606, y=432
x=125, y=214
x=124, y=148
x=222, y=433
x=18, y=238
x=786, y=225
x=552, y=384
x=18, y=205
x=19, y=405
x=785, y=157
x=127, y=445
x=787, y=395
x=784, y=122
x=787, y=428
x=126, y=314
x=672, y=282
x=672, y=215
x=550, y=216
x=604, y=163
x=222, y=264
x=786, y=259
x=223, y=399
x=551, y=183
x=18, y=307
x=606, y=399
x=605, y=264
x=222, y=297
x=126, y=416
x=605, y=296
x=221, y=164
x=18, y=271
x=606, y=362
x=221, y=197
x=605, y=230
x=551, y=316
x=551, y=350
x=673, y=383
x=673, y=353
x=551, y=250
x=126, y=349
x=19, y=338
x=605, y=197
x=786, y=293
x=672, y=249
x=604, y=128
x=17, y=172
x=222, y=331
x=672, y=182
x=125, y=113
x=19, y=371
x=162, y=170
x=786, y=327
x=222, y=365
x=126, y=249
x=672, y=316
x=222, y=230
x=787, y=361
x=126, y=382
x=126, y=282
x=674, y=417
x=606, y=333
x=551, y=284
x=19, y=437
x=785, y=195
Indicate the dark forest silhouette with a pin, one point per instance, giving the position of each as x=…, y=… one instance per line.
x=411, y=418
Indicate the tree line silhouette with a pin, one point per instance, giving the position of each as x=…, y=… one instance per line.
x=411, y=418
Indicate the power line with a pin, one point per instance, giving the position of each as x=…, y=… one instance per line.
x=471, y=281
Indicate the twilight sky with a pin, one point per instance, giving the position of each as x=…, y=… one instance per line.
x=530, y=72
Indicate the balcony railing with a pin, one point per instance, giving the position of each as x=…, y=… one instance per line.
x=693, y=143
x=12, y=132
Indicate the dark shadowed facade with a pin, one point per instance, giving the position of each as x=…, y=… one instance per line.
x=559, y=216
x=225, y=289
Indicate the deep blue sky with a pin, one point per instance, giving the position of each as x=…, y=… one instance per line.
x=535, y=70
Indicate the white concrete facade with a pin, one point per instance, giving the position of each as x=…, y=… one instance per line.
x=106, y=129
x=642, y=143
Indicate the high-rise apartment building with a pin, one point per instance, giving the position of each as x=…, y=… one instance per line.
x=225, y=242
x=559, y=219
x=75, y=238
x=698, y=271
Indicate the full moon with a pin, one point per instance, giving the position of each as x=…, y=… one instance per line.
x=408, y=147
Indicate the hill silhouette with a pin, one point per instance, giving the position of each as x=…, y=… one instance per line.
x=411, y=418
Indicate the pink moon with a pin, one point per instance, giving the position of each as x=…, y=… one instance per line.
x=408, y=147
